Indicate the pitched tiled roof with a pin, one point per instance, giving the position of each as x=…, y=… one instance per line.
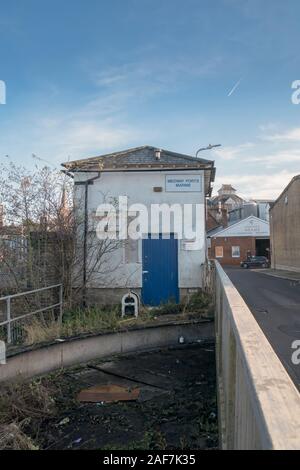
x=144, y=158
x=137, y=156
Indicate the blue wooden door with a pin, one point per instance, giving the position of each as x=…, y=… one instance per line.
x=160, y=270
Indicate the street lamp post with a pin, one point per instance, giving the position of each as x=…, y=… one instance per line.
x=209, y=147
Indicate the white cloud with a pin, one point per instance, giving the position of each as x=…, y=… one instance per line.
x=57, y=137
x=231, y=153
x=282, y=157
x=259, y=152
x=108, y=80
x=257, y=186
x=84, y=137
x=102, y=123
x=269, y=126
x=291, y=135
x=155, y=75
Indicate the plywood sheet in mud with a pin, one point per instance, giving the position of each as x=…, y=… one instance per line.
x=108, y=394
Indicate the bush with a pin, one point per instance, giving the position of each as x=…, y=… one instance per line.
x=199, y=302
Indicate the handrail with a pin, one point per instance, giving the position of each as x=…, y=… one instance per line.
x=9, y=319
x=29, y=292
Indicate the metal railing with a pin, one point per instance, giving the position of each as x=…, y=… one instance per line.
x=10, y=320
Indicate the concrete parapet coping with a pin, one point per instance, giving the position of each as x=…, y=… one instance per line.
x=31, y=361
x=261, y=404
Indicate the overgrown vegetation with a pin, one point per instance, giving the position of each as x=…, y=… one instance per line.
x=79, y=322
x=97, y=320
x=75, y=322
x=196, y=303
x=22, y=407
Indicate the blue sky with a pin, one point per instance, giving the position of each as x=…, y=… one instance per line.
x=89, y=77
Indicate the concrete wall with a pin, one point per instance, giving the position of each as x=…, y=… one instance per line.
x=285, y=228
x=107, y=296
x=259, y=405
x=139, y=188
x=51, y=357
x=111, y=296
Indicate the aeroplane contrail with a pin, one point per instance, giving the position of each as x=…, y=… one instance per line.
x=235, y=87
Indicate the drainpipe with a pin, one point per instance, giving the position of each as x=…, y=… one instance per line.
x=86, y=184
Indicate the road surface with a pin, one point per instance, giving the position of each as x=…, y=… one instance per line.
x=275, y=303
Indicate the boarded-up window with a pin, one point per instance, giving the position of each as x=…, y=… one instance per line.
x=131, y=252
x=131, y=247
x=188, y=245
x=219, y=251
x=235, y=250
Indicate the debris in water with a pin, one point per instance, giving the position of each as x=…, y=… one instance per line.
x=77, y=441
x=64, y=421
x=108, y=394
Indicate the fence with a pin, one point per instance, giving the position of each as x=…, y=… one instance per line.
x=259, y=405
x=12, y=322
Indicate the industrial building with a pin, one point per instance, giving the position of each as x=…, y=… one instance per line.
x=257, y=207
x=158, y=267
x=226, y=198
x=233, y=244
x=285, y=228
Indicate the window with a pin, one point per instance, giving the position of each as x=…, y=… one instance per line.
x=235, y=250
x=219, y=251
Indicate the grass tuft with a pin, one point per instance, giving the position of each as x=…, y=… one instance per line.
x=75, y=322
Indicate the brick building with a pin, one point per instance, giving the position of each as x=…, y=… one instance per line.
x=231, y=245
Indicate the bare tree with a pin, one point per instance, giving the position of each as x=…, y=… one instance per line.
x=42, y=239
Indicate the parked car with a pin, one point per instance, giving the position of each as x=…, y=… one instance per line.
x=255, y=261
